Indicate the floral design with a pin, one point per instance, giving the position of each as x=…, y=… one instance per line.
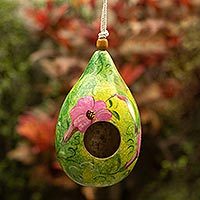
x=135, y=156
x=86, y=112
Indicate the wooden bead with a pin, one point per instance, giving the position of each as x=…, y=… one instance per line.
x=102, y=44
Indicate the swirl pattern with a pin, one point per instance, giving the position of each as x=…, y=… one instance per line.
x=102, y=84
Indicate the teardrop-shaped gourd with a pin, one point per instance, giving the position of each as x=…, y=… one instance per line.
x=98, y=134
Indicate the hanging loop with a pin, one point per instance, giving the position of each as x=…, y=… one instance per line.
x=102, y=42
x=104, y=18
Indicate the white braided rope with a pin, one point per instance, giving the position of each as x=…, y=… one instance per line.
x=104, y=17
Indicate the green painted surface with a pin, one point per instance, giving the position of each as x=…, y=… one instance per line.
x=102, y=82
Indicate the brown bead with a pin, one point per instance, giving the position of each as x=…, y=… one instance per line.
x=102, y=44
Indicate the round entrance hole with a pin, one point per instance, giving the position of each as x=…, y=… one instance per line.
x=102, y=139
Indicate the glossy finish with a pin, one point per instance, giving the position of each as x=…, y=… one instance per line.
x=100, y=95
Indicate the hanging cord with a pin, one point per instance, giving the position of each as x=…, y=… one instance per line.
x=102, y=42
x=104, y=17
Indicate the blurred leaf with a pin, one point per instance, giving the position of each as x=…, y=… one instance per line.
x=89, y=193
x=130, y=74
x=60, y=66
x=22, y=153
x=38, y=129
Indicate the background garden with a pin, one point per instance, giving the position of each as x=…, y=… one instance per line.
x=44, y=48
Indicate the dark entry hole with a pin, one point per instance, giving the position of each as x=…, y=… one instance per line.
x=102, y=139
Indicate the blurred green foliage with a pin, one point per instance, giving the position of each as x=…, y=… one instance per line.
x=179, y=177
x=15, y=92
x=14, y=68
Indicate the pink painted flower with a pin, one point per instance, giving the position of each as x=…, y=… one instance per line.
x=86, y=112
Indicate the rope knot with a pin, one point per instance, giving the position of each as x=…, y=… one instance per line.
x=103, y=34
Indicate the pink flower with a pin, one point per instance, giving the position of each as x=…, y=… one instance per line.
x=86, y=112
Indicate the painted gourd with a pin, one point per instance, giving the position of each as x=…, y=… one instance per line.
x=98, y=134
